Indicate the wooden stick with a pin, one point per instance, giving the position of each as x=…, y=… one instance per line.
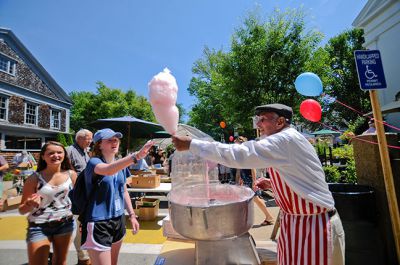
x=387, y=171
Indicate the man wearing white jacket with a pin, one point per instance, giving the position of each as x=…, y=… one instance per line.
x=311, y=230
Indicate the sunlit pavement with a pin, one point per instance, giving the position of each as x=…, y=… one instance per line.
x=141, y=249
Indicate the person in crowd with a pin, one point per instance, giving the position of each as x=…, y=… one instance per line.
x=141, y=164
x=371, y=129
x=311, y=230
x=3, y=168
x=159, y=157
x=224, y=173
x=25, y=163
x=79, y=157
x=171, y=155
x=104, y=225
x=248, y=179
x=45, y=198
x=150, y=157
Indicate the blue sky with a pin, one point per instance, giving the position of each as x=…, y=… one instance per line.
x=124, y=43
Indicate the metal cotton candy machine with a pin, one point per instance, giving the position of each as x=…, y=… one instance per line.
x=211, y=212
x=217, y=216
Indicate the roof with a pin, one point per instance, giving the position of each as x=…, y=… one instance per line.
x=391, y=107
x=7, y=33
x=371, y=10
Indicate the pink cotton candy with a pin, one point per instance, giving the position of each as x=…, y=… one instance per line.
x=163, y=88
x=168, y=117
x=163, y=91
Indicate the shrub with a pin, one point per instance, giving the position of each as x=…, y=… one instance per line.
x=320, y=147
x=69, y=139
x=332, y=174
x=345, y=151
x=61, y=139
x=349, y=174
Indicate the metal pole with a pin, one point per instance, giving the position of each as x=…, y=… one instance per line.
x=128, y=140
x=387, y=170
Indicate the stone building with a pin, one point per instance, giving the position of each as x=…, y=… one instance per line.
x=33, y=107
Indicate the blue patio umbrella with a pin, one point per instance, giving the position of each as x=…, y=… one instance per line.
x=131, y=127
x=161, y=134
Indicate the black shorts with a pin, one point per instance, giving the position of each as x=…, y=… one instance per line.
x=100, y=235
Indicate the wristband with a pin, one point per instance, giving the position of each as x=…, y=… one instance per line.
x=134, y=159
x=132, y=214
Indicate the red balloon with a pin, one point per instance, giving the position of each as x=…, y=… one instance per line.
x=222, y=124
x=310, y=109
x=231, y=138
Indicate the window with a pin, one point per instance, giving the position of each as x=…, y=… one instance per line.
x=21, y=142
x=7, y=65
x=55, y=119
x=3, y=108
x=31, y=114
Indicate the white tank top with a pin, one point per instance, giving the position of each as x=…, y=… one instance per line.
x=55, y=203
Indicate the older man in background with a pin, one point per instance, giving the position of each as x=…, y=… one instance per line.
x=79, y=156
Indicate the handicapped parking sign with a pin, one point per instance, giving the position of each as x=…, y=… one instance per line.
x=370, y=69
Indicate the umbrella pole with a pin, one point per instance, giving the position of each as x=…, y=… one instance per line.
x=128, y=140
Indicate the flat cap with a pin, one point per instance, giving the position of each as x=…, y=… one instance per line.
x=280, y=109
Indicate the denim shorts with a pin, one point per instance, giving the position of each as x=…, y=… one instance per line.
x=42, y=232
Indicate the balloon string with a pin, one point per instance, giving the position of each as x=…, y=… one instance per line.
x=355, y=138
x=371, y=117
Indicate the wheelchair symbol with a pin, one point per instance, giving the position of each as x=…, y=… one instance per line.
x=369, y=74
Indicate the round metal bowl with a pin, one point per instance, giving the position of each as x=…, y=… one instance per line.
x=211, y=212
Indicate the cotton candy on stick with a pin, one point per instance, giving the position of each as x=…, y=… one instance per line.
x=163, y=91
x=168, y=117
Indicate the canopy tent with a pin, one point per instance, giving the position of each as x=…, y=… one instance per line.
x=325, y=132
x=183, y=130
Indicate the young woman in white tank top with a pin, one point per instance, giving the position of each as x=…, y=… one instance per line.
x=45, y=198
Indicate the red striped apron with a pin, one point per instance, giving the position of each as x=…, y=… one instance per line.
x=304, y=238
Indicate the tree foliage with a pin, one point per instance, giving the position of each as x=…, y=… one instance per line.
x=107, y=103
x=335, y=65
x=260, y=68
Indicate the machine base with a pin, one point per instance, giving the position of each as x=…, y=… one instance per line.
x=233, y=251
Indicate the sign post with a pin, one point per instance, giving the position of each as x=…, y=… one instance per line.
x=371, y=77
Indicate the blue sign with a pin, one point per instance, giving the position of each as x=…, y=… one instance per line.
x=370, y=69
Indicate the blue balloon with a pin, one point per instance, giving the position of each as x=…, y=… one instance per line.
x=308, y=84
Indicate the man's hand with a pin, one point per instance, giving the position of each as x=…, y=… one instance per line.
x=181, y=143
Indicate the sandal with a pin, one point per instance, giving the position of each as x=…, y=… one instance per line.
x=267, y=222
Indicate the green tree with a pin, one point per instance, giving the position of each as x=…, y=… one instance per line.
x=107, y=103
x=182, y=112
x=69, y=139
x=264, y=60
x=61, y=139
x=341, y=80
